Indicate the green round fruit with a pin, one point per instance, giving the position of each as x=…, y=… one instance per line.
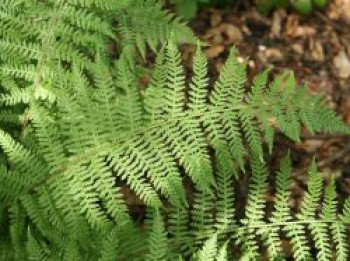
x=320, y=3
x=302, y=6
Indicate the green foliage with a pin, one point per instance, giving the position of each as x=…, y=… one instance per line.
x=39, y=40
x=88, y=143
x=188, y=8
x=259, y=231
x=303, y=7
x=77, y=131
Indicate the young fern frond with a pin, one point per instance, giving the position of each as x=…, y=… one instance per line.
x=110, y=246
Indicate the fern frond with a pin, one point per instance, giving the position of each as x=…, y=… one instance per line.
x=144, y=22
x=35, y=250
x=281, y=207
x=129, y=167
x=199, y=85
x=225, y=200
x=178, y=221
x=100, y=4
x=174, y=94
x=256, y=203
x=29, y=167
x=312, y=198
x=202, y=215
x=71, y=251
x=110, y=246
x=18, y=231
x=155, y=92
x=222, y=253
x=209, y=250
x=157, y=240
x=89, y=130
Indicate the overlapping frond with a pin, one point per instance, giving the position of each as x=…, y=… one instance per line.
x=144, y=23
x=323, y=226
x=313, y=233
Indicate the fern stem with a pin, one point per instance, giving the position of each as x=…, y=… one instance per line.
x=300, y=222
x=47, y=44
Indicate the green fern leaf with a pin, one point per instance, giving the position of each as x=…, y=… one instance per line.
x=157, y=240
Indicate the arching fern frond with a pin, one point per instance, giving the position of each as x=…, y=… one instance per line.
x=157, y=239
x=261, y=232
x=145, y=22
x=115, y=132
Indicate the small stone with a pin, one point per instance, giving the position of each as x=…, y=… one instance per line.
x=342, y=64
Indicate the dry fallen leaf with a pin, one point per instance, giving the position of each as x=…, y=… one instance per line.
x=217, y=39
x=292, y=24
x=303, y=31
x=214, y=51
x=276, y=26
x=317, y=52
x=273, y=54
x=233, y=33
x=210, y=34
x=215, y=19
x=334, y=10
x=340, y=9
x=312, y=146
x=298, y=48
x=342, y=64
x=213, y=36
x=334, y=41
x=295, y=30
x=346, y=12
x=345, y=109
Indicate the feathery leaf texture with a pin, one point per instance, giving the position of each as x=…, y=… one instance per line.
x=84, y=132
x=99, y=136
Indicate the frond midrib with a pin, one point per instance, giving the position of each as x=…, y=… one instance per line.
x=105, y=148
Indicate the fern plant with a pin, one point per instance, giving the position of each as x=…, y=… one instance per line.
x=61, y=182
x=77, y=130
